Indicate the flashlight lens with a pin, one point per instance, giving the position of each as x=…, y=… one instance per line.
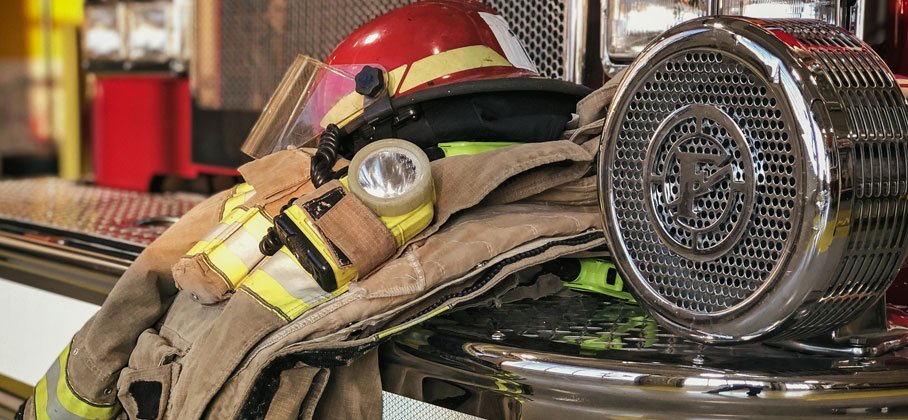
x=388, y=173
x=392, y=177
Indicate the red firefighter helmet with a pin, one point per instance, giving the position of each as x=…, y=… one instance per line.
x=435, y=43
x=429, y=72
x=454, y=71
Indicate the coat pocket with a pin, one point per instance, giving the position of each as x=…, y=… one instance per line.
x=144, y=386
x=144, y=393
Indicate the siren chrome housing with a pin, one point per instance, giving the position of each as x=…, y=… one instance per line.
x=753, y=178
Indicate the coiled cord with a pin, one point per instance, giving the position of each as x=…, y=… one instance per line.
x=321, y=168
x=320, y=171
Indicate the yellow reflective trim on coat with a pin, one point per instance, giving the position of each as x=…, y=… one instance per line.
x=281, y=284
x=228, y=224
x=238, y=215
x=198, y=248
x=62, y=402
x=269, y=290
x=228, y=264
x=41, y=400
x=231, y=249
x=244, y=188
x=241, y=194
x=412, y=322
x=258, y=224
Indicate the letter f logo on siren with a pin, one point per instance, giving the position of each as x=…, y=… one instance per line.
x=699, y=179
x=694, y=182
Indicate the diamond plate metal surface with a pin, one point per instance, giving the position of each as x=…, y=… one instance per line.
x=540, y=26
x=122, y=217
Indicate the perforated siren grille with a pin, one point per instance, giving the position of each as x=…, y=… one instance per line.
x=259, y=39
x=717, y=80
x=744, y=203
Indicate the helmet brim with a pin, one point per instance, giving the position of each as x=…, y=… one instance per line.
x=507, y=109
x=559, y=90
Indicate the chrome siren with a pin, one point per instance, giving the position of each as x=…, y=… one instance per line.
x=753, y=178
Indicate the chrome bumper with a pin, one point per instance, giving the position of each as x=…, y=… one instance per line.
x=584, y=357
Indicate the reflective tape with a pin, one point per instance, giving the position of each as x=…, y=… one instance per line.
x=232, y=212
x=55, y=399
x=231, y=249
x=283, y=286
x=241, y=194
x=434, y=66
x=228, y=224
x=420, y=71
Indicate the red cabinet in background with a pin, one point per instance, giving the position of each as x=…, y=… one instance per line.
x=142, y=129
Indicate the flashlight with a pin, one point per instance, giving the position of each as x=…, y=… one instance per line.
x=392, y=178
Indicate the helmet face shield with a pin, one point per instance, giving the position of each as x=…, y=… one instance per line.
x=309, y=97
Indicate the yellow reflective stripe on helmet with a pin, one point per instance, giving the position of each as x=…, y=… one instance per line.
x=241, y=194
x=420, y=71
x=282, y=285
x=452, y=61
x=346, y=108
x=61, y=402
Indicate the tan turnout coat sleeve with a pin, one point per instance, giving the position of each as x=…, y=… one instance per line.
x=101, y=348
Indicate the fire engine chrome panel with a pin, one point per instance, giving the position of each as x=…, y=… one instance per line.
x=827, y=130
x=589, y=357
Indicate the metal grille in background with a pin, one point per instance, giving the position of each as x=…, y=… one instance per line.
x=239, y=69
x=539, y=24
x=398, y=407
x=259, y=40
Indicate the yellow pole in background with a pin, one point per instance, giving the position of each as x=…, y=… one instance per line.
x=54, y=100
x=70, y=133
